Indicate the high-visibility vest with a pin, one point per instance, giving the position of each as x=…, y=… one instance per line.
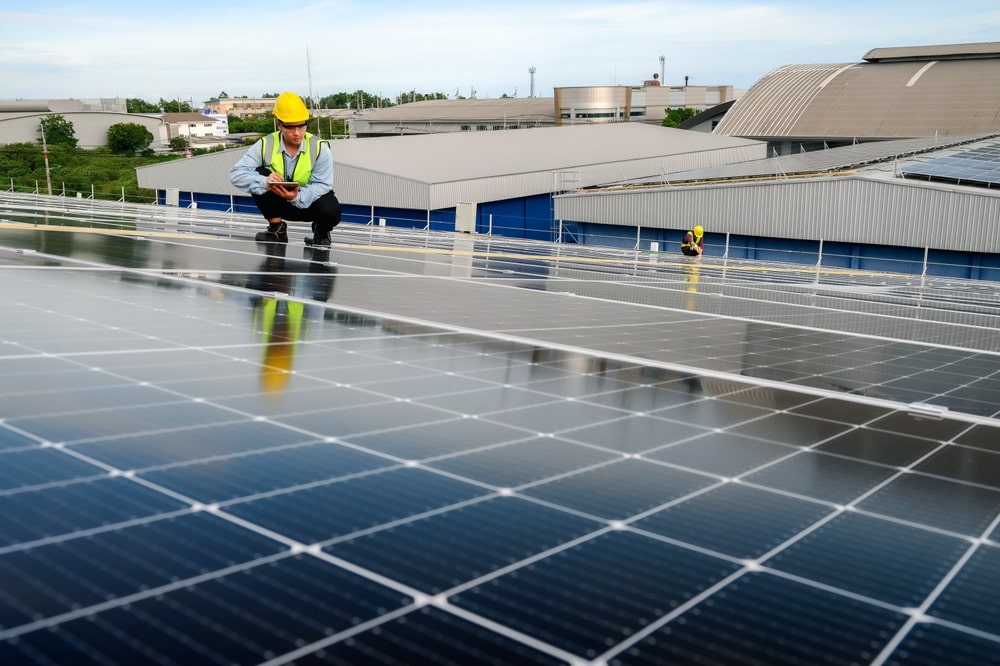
x=270, y=152
x=689, y=241
x=293, y=311
x=280, y=340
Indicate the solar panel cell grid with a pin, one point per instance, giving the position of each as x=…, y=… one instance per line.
x=981, y=164
x=478, y=467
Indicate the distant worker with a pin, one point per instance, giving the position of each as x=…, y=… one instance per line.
x=289, y=174
x=694, y=242
x=655, y=81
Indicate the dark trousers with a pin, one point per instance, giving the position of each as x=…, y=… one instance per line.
x=324, y=213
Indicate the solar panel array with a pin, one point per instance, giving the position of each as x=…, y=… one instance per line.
x=423, y=448
x=841, y=158
x=977, y=165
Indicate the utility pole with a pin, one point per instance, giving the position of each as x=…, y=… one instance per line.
x=45, y=154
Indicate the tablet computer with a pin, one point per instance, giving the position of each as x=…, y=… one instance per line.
x=284, y=183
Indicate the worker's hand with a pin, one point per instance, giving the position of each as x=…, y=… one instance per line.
x=285, y=192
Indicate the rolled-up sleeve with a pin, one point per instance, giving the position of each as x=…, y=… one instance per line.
x=244, y=175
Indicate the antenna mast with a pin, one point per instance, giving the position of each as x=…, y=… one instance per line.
x=663, y=66
x=310, y=75
x=532, y=70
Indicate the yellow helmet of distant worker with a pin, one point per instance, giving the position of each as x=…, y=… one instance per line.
x=699, y=231
x=289, y=108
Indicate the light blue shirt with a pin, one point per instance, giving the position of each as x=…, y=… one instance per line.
x=244, y=174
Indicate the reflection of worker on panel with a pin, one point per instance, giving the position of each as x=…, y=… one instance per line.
x=692, y=270
x=280, y=317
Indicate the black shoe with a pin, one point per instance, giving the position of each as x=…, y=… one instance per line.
x=319, y=240
x=276, y=233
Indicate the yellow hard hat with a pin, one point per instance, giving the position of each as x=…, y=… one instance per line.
x=699, y=231
x=289, y=108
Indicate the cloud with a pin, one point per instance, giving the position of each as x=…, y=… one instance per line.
x=195, y=50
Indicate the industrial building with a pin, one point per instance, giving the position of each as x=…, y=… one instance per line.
x=647, y=104
x=580, y=105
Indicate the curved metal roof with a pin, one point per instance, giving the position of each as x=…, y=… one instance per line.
x=901, y=93
x=938, y=52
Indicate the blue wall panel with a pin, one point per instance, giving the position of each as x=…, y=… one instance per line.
x=946, y=263
x=890, y=259
x=530, y=218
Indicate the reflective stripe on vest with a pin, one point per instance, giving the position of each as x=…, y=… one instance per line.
x=271, y=154
x=293, y=312
x=693, y=243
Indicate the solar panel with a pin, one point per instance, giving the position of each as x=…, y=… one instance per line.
x=977, y=165
x=416, y=448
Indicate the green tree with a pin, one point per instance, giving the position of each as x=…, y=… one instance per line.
x=179, y=143
x=174, y=106
x=675, y=117
x=359, y=99
x=57, y=131
x=135, y=105
x=261, y=125
x=128, y=138
x=21, y=161
x=414, y=96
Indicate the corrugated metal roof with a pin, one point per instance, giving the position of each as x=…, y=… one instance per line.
x=775, y=103
x=437, y=158
x=205, y=173
x=871, y=101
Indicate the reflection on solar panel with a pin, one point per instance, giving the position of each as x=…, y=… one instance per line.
x=979, y=165
x=421, y=448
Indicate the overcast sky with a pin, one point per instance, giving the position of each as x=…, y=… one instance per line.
x=194, y=50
